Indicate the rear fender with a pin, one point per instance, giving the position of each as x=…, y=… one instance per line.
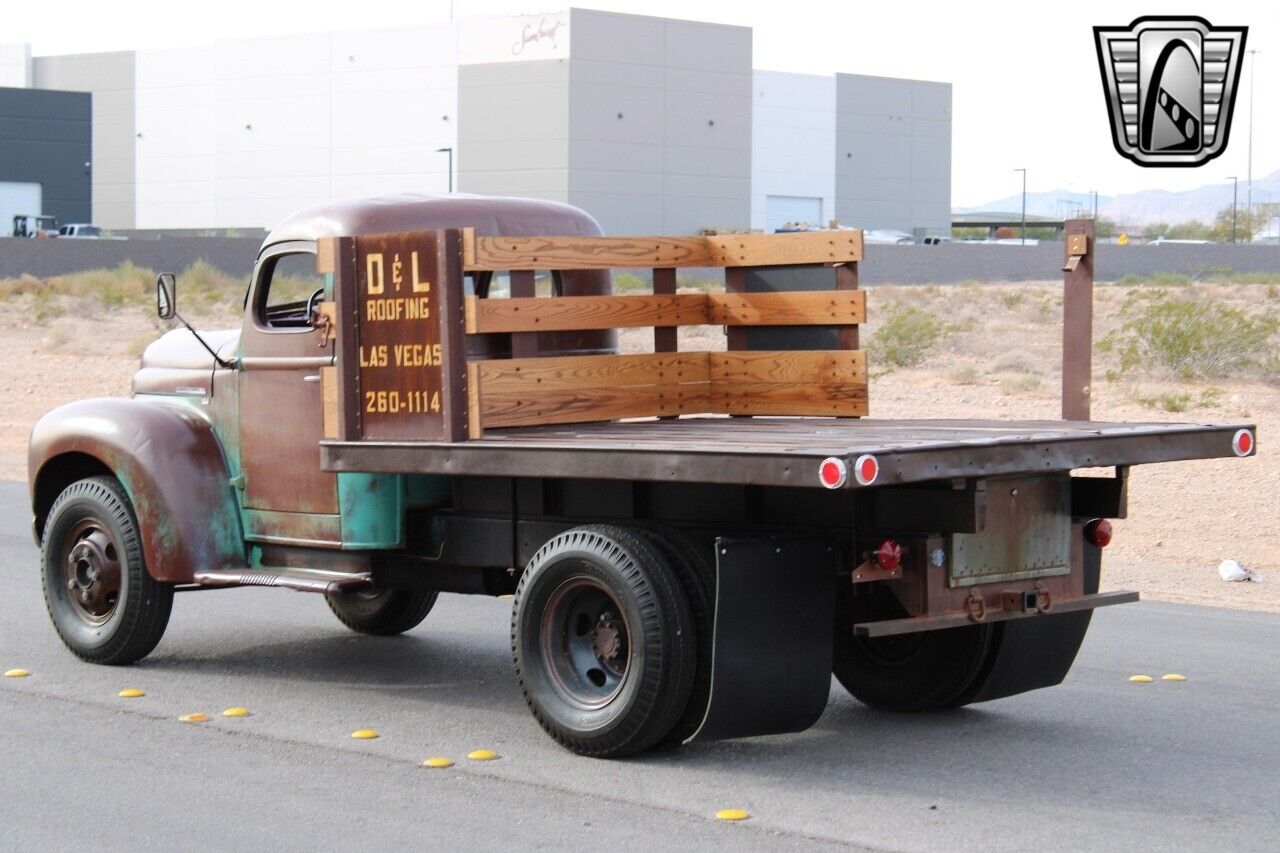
x=170, y=463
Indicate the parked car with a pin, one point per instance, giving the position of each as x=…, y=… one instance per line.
x=81, y=231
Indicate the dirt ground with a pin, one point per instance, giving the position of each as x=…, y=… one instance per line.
x=998, y=358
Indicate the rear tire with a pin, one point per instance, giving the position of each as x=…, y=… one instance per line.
x=103, y=602
x=381, y=613
x=603, y=641
x=924, y=671
x=697, y=574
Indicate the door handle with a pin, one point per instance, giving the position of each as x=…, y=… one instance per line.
x=311, y=377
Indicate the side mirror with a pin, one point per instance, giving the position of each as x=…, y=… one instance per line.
x=166, y=296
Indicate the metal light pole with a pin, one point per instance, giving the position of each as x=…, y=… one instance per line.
x=448, y=151
x=1248, y=205
x=1024, y=204
x=1235, y=196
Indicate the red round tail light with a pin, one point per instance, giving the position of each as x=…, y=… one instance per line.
x=1098, y=532
x=1242, y=442
x=888, y=555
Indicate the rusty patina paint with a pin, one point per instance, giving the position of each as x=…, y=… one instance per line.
x=172, y=467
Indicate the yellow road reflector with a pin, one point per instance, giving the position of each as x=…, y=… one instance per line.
x=482, y=755
x=732, y=814
x=1173, y=676
x=1140, y=679
x=364, y=734
x=236, y=712
x=130, y=693
x=437, y=762
x=16, y=673
x=505, y=595
x=194, y=718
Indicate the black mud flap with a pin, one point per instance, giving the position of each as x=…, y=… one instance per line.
x=1033, y=653
x=771, y=663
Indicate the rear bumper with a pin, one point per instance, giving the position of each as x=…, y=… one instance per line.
x=913, y=624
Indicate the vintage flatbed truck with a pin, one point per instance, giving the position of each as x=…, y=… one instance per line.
x=425, y=396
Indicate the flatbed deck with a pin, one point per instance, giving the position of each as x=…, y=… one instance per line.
x=778, y=451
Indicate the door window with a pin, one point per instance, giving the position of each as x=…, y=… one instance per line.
x=287, y=285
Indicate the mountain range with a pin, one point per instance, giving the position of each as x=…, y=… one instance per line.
x=1138, y=208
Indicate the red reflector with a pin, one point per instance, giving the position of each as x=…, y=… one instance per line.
x=888, y=555
x=1242, y=442
x=1098, y=532
x=866, y=469
x=832, y=472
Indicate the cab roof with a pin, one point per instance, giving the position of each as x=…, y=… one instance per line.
x=488, y=215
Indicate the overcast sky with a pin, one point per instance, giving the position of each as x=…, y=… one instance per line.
x=1026, y=86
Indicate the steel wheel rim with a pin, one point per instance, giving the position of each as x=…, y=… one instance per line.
x=91, y=572
x=586, y=643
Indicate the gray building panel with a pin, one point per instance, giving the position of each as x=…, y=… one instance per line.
x=893, y=153
x=111, y=78
x=660, y=123
x=45, y=138
x=513, y=129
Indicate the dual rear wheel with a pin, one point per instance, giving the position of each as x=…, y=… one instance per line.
x=610, y=632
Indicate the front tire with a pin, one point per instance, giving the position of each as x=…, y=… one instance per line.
x=103, y=602
x=381, y=613
x=603, y=641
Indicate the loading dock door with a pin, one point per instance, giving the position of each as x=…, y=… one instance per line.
x=18, y=198
x=783, y=209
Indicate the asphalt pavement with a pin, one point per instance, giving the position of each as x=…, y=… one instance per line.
x=1098, y=762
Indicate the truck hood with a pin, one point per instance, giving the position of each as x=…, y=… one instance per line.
x=179, y=349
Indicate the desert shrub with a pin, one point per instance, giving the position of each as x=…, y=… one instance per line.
x=629, y=282
x=45, y=305
x=1016, y=361
x=1174, y=279
x=906, y=336
x=1011, y=385
x=1171, y=401
x=1190, y=337
x=1011, y=298
x=965, y=374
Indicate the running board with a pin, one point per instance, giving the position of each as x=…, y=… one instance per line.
x=303, y=580
x=913, y=624
x=771, y=654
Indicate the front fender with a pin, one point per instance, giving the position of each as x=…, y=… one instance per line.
x=171, y=465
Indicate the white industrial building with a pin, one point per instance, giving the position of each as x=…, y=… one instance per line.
x=654, y=125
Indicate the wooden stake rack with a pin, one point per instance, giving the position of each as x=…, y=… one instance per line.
x=399, y=293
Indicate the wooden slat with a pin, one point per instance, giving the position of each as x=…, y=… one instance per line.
x=788, y=366
x=593, y=404
x=475, y=427
x=329, y=400
x=568, y=313
x=848, y=399
x=523, y=286
x=726, y=250
x=846, y=280
x=587, y=253
x=665, y=338
x=805, y=308
x=810, y=247
x=326, y=255
x=566, y=373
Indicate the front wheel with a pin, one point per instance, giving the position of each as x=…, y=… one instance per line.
x=604, y=641
x=104, y=603
x=383, y=612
